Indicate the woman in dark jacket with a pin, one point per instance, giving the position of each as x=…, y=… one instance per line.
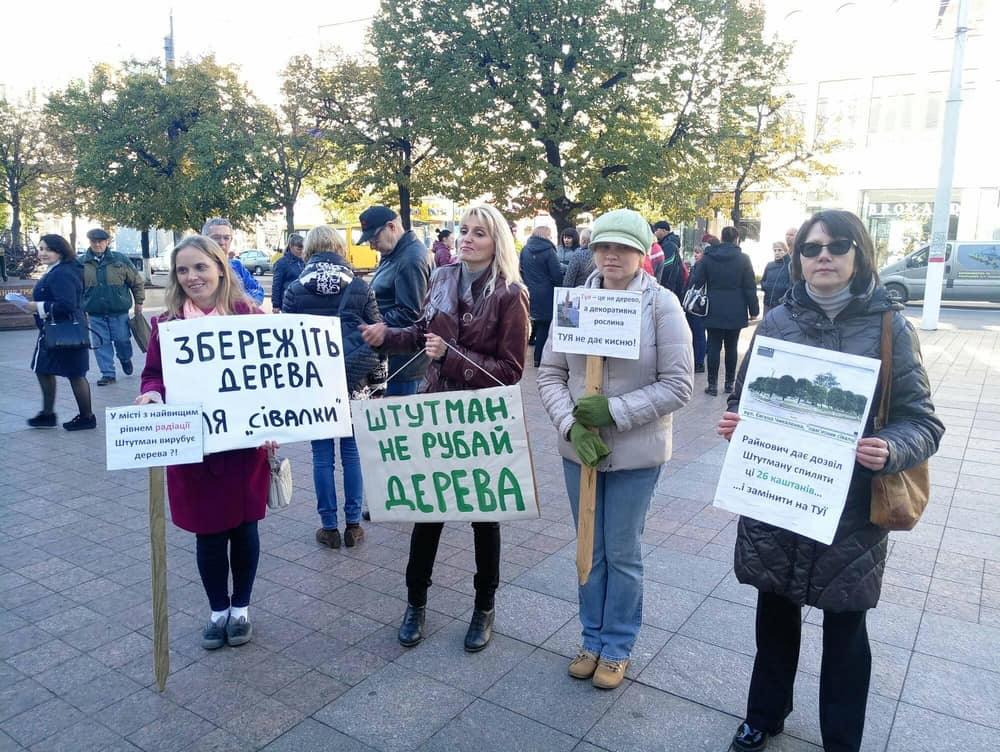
x=837, y=304
x=776, y=278
x=222, y=498
x=286, y=271
x=442, y=248
x=732, y=293
x=542, y=273
x=474, y=329
x=58, y=295
x=328, y=287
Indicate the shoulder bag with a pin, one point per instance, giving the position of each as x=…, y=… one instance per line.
x=898, y=499
x=279, y=494
x=66, y=334
x=696, y=300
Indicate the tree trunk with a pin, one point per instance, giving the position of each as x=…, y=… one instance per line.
x=15, y=223
x=737, y=212
x=290, y=218
x=562, y=214
x=147, y=278
x=404, y=204
x=72, y=228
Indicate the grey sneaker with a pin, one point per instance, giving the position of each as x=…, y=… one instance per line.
x=238, y=631
x=213, y=636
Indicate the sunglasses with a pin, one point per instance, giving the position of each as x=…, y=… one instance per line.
x=836, y=248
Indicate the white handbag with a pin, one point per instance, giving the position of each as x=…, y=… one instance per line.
x=279, y=495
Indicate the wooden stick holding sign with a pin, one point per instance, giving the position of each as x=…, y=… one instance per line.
x=152, y=436
x=588, y=483
x=158, y=564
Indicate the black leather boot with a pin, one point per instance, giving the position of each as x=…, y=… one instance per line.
x=480, y=630
x=712, y=389
x=411, y=631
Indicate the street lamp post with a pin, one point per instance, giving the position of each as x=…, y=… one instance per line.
x=942, y=200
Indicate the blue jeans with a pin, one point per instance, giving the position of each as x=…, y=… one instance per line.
x=611, y=601
x=110, y=334
x=401, y=388
x=697, y=324
x=324, y=461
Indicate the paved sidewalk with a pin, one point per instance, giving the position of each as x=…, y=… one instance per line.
x=324, y=670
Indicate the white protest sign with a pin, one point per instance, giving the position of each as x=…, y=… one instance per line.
x=152, y=435
x=791, y=458
x=589, y=321
x=446, y=456
x=258, y=377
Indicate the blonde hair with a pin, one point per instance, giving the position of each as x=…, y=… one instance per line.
x=505, y=262
x=323, y=238
x=230, y=291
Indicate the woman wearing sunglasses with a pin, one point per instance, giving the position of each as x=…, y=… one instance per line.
x=835, y=303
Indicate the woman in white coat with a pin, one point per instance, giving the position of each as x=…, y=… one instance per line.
x=632, y=417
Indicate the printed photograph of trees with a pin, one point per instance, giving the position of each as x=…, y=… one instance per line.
x=821, y=395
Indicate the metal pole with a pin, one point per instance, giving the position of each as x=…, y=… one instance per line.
x=942, y=199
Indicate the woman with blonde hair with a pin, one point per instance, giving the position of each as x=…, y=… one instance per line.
x=222, y=498
x=474, y=328
x=328, y=287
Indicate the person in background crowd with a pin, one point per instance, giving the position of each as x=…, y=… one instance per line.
x=790, y=234
x=58, y=295
x=569, y=243
x=221, y=232
x=3, y=262
x=836, y=303
x=632, y=414
x=475, y=330
x=400, y=285
x=777, y=278
x=328, y=287
x=222, y=498
x=581, y=265
x=110, y=283
x=442, y=248
x=732, y=294
x=668, y=241
x=542, y=273
x=672, y=275
x=708, y=239
x=697, y=323
x=287, y=270
x=584, y=238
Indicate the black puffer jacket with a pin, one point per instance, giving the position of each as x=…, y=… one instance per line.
x=328, y=287
x=541, y=273
x=847, y=574
x=732, y=290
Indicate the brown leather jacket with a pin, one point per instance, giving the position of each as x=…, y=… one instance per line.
x=492, y=332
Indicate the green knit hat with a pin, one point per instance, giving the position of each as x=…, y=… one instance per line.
x=622, y=226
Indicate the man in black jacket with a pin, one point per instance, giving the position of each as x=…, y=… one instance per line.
x=541, y=273
x=400, y=285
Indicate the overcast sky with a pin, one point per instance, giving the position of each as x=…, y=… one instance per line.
x=51, y=42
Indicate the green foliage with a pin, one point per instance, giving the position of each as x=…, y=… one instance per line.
x=166, y=153
x=25, y=159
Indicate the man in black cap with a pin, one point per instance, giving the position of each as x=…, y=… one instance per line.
x=110, y=283
x=400, y=285
x=671, y=272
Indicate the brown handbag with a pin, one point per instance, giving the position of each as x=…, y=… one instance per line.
x=898, y=499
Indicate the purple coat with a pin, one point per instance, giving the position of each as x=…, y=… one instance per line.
x=222, y=491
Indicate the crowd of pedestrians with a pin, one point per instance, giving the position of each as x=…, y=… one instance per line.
x=467, y=319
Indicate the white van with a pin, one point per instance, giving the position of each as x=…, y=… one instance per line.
x=971, y=272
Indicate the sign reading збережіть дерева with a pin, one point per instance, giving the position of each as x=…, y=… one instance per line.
x=446, y=456
x=591, y=321
x=258, y=377
x=152, y=436
x=791, y=458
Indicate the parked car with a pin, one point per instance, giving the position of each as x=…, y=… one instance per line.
x=971, y=272
x=256, y=261
x=160, y=263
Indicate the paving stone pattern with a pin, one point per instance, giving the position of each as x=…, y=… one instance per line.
x=324, y=670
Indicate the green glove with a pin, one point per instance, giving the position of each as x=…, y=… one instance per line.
x=593, y=411
x=588, y=445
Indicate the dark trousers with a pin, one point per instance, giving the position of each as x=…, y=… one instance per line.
x=236, y=551
x=541, y=329
x=697, y=325
x=716, y=339
x=423, y=551
x=845, y=671
x=3, y=267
